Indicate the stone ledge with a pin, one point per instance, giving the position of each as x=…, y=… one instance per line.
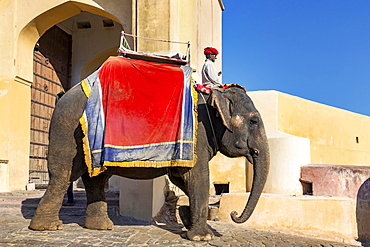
x=336, y=180
x=331, y=218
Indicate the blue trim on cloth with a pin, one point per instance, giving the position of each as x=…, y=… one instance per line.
x=95, y=118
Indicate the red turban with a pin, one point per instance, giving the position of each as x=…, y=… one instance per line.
x=210, y=50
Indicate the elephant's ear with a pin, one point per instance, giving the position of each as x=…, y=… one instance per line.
x=222, y=104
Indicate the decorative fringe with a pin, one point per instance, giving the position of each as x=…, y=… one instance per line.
x=195, y=109
x=85, y=144
x=149, y=164
x=85, y=88
x=225, y=86
x=97, y=171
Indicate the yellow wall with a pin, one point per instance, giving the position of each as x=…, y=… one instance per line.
x=199, y=22
x=230, y=171
x=156, y=25
x=332, y=131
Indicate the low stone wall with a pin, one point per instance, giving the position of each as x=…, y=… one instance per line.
x=336, y=180
x=333, y=218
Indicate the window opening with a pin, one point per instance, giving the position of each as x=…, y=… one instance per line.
x=221, y=188
x=108, y=23
x=83, y=24
x=307, y=188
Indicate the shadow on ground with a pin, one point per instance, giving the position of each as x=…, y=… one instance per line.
x=76, y=213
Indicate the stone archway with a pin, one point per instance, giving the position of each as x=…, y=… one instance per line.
x=49, y=77
x=41, y=23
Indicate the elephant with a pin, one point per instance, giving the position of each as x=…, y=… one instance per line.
x=228, y=122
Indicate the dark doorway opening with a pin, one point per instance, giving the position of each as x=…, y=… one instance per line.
x=221, y=188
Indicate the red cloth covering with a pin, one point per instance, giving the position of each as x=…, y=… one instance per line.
x=139, y=114
x=148, y=104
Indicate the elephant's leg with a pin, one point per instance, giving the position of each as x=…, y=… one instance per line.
x=62, y=151
x=196, y=181
x=184, y=211
x=47, y=213
x=178, y=181
x=65, y=164
x=96, y=211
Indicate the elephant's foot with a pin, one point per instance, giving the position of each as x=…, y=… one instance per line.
x=184, y=212
x=200, y=234
x=97, y=217
x=195, y=233
x=45, y=224
x=98, y=223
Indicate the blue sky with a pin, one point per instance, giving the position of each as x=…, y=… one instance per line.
x=315, y=49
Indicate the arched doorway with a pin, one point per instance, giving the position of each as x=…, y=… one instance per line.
x=51, y=75
x=60, y=57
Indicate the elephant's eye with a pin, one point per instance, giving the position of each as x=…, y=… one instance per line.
x=254, y=121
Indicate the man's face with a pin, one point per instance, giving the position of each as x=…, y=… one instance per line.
x=213, y=57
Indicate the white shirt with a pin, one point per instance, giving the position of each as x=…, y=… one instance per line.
x=210, y=75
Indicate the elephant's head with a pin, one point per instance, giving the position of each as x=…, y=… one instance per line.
x=244, y=136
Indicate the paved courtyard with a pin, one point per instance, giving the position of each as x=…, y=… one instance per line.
x=17, y=209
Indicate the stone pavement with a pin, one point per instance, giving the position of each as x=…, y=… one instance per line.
x=17, y=209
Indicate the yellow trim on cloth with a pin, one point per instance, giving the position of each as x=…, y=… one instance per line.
x=195, y=110
x=85, y=88
x=148, y=164
x=87, y=151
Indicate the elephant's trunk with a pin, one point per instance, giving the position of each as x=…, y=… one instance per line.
x=261, y=165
